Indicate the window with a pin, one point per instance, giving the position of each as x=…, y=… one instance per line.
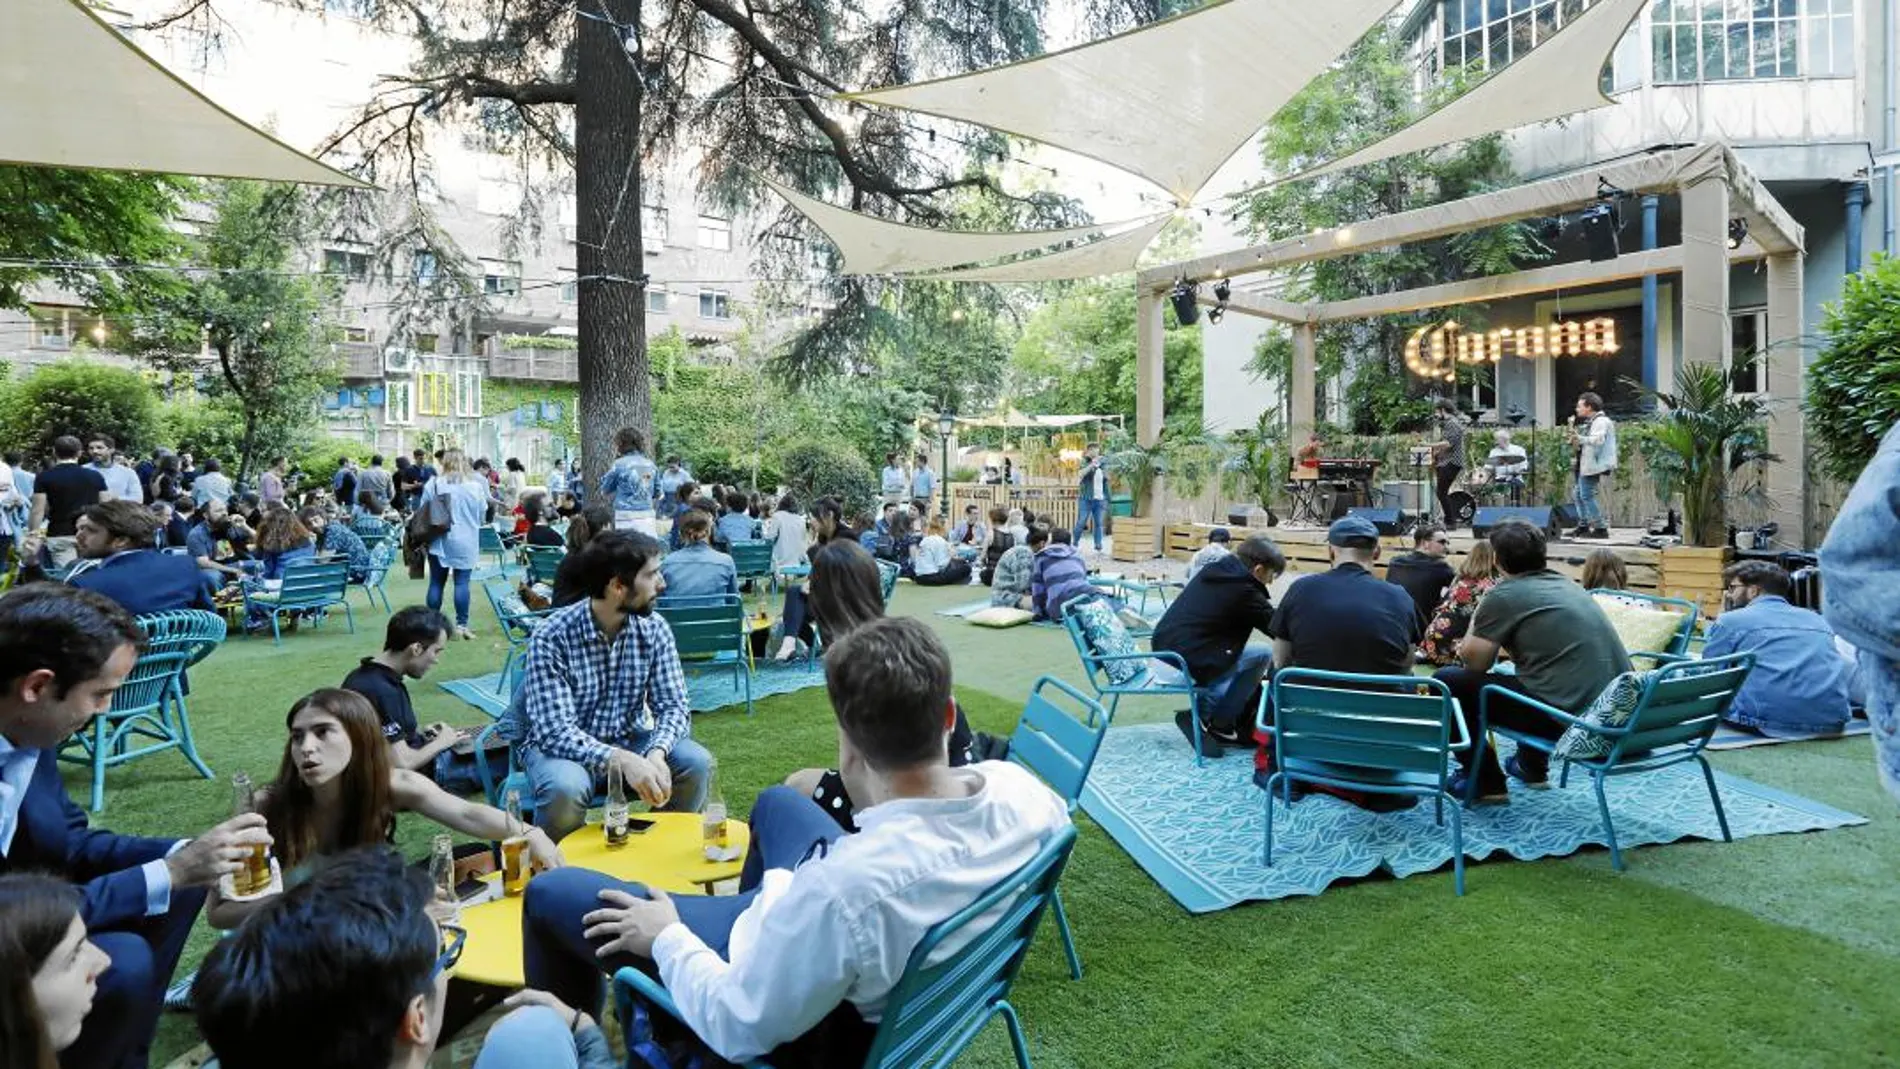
x=1487, y=34
x=1748, y=370
x=656, y=299
x=468, y=393
x=358, y=335
x=426, y=343
x=51, y=329
x=818, y=256
x=570, y=287
x=501, y=277
x=653, y=227
x=346, y=263
x=715, y=233
x=1713, y=40
x=422, y=265
x=434, y=393
x=713, y=304
x=399, y=403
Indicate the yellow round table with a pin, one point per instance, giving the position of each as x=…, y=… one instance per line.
x=670, y=856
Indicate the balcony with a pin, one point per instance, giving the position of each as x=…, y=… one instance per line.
x=359, y=360
x=532, y=364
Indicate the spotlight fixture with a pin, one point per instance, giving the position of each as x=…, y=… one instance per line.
x=1737, y=230
x=1186, y=311
x=1222, y=290
x=1600, y=225
x=1215, y=313
x=1551, y=230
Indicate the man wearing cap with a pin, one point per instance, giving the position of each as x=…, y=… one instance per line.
x=1216, y=548
x=1209, y=624
x=1347, y=620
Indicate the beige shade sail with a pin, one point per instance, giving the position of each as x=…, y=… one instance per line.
x=1170, y=101
x=1105, y=257
x=80, y=95
x=874, y=246
x=1555, y=79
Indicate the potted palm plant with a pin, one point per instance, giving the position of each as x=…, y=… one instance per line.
x=1704, y=433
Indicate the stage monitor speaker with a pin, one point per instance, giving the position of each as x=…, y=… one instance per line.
x=1388, y=521
x=1492, y=515
x=1565, y=516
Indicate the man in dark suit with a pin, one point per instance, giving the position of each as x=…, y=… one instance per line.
x=63, y=652
x=115, y=542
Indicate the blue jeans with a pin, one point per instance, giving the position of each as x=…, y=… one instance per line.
x=438, y=578
x=1589, y=514
x=532, y=1036
x=1089, y=511
x=787, y=827
x=1229, y=696
x=563, y=789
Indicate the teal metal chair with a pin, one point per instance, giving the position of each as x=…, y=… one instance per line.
x=888, y=573
x=542, y=562
x=1680, y=707
x=1059, y=745
x=753, y=559
x=517, y=621
x=309, y=586
x=488, y=540
x=197, y=634
x=1691, y=614
x=375, y=583
x=1380, y=734
x=137, y=725
x=942, y=1000
x=711, y=633
x=373, y=530
x=1145, y=682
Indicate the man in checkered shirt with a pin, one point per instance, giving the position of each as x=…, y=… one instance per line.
x=604, y=687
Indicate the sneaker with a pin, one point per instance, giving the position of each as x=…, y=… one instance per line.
x=465, y=634
x=1598, y=532
x=1210, y=746
x=1579, y=531
x=1516, y=772
x=1230, y=737
x=178, y=996
x=1460, y=782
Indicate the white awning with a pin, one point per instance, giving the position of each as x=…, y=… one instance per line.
x=80, y=95
x=1105, y=257
x=1170, y=101
x=874, y=246
x=1553, y=80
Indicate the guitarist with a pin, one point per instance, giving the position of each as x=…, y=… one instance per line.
x=1594, y=434
x=1448, y=456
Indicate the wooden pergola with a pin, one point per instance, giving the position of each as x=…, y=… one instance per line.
x=1713, y=186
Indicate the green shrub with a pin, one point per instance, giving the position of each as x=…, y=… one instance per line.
x=1854, y=385
x=821, y=469
x=319, y=460
x=205, y=429
x=79, y=399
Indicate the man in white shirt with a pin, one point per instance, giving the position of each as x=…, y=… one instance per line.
x=809, y=950
x=121, y=481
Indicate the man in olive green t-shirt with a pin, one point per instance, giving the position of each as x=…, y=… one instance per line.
x=1563, y=646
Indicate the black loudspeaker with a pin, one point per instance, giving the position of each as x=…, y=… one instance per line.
x=1388, y=521
x=1565, y=516
x=1492, y=515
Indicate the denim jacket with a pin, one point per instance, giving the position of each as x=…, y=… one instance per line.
x=1860, y=575
x=629, y=484
x=1799, y=682
x=1599, y=447
x=698, y=570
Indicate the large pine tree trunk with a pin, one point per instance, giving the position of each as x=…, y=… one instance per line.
x=614, y=380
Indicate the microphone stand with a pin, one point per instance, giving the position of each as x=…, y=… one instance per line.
x=1533, y=498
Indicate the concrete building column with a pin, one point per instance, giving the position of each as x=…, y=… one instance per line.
x=1786, y=356
x=1304, y=384
x=1150, y=368
x=1858, y=196
x=1705, y=313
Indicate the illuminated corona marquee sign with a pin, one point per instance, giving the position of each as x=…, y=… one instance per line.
x=1434, y=352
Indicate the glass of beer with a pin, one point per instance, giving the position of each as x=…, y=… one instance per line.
x=254, y=877
x=514, y=850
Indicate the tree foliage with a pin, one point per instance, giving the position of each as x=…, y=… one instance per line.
x=1854, y=385
x=1077, y=354
x=92, y=222
x=1363, y=98
x=81, y=399
x=267, y=323
x=1704, y=434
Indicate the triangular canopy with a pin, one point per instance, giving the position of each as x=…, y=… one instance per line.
x=80, y=95
x=1555, y=79
x=873, y=246
x=1105, y=257
x=1170, y=101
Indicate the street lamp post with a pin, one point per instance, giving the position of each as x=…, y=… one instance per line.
x=946, y=422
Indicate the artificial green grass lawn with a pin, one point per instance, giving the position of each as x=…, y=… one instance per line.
x=1777, y=951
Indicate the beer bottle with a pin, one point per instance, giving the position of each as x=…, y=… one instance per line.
x=442, y=874
x=514, y=849
x=254, y=877
x=616, y=817
x=712, y=821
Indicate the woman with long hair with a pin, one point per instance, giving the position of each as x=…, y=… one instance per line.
x=592, y=522
x=459, y=550
x=513, y=482
x=281, y=540
x=932, y=563
x=1604, y=570
x=49, y=970
x=785, y=528
x=1476, y=576
x=336, y=790
x=847, y=592
x=827, y=518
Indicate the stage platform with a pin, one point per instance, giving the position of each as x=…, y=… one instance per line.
x=1678, y=572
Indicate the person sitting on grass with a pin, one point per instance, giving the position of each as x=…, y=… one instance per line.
x=1564, y=648
x=336, y=790
x=970, y=536
x=359, y=945
x=1209, y=624
x=1000, y=542
x=1475, y=578
x=795, y=622
x=846, y=593
x=49, y=970
x=931, y=561
x=1014, y=575
x=800, y=963
x=1059, y=575
x=412, y=642
x=696, y=569
x=1798, y=687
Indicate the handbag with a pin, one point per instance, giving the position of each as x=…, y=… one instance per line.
x=432, y=520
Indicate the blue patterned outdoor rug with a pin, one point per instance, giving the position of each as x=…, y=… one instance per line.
x=710, y=690
x=1198, y=831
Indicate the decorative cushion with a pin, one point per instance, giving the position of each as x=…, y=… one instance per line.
x=1000, y=616
x=1642, y=629
x=1107, y=636
x=1611, y=709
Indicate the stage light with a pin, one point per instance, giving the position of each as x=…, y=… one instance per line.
x=1599, y=231
x=1215, y=313
x=1737, y=230
x=1222, y=290
x=1186, y=311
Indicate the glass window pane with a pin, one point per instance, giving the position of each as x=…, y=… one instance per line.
x=1789, y=42
x=1738, y=10
x=1764, y=9
x=1474, y=14
x=1571, y=9
x=1787, y=8
x=1500, y=53
x=1712, y=10
x=1663, y=62
x=1498, y=9
x=1815, y=40
x=1738, y=64
x=1685, y=54
x=1520, y=36
x=1714, y=53
x=1546, y=22
x=1764, y=49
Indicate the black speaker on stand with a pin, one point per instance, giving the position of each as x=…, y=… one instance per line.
x=1388, y=521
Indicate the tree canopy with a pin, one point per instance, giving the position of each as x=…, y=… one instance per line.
x=72, y=228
